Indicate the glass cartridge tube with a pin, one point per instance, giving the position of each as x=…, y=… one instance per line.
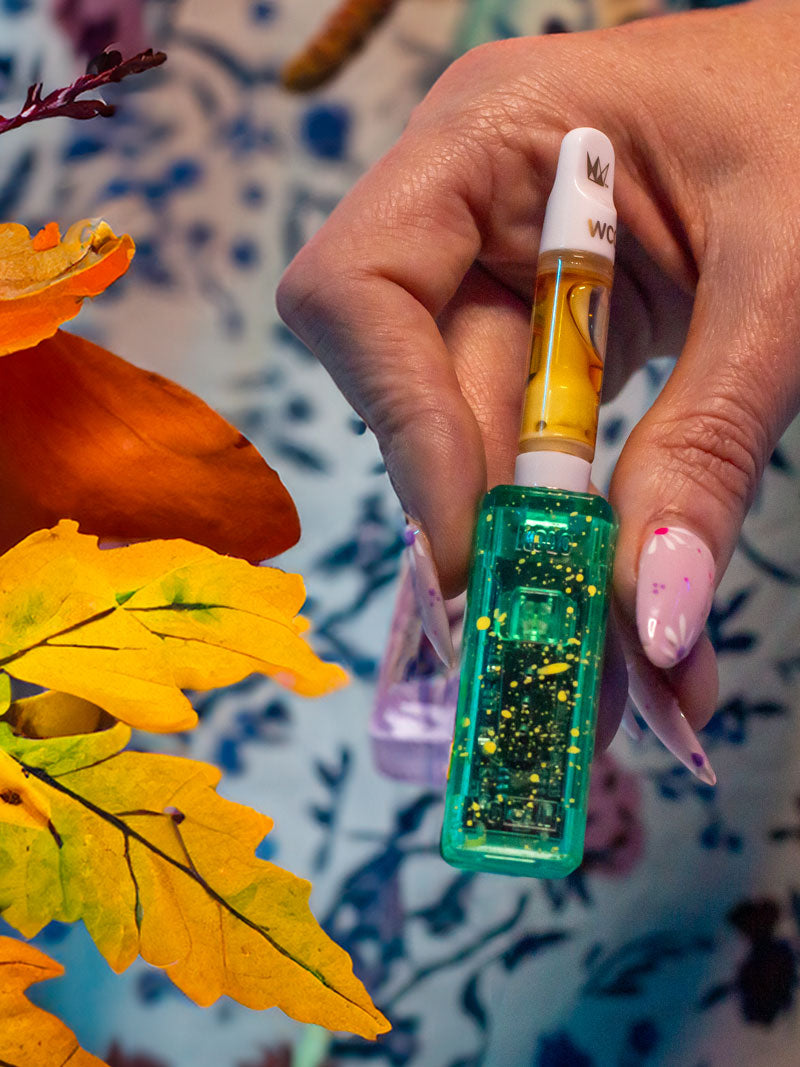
x=567, y=351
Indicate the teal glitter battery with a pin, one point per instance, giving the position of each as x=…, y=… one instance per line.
x=534, y=635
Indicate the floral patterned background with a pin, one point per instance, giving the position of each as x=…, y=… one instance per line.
x=677, y=941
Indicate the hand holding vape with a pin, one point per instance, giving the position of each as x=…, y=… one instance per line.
x=537, y=601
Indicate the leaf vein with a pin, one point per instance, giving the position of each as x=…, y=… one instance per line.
x=67, y=629
x=222, y=903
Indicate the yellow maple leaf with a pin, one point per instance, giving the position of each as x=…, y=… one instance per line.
x=30, y=1036
x=55, y=715
x=21, y=803
x=129, y=628
x=44, y=279
x=155, y=862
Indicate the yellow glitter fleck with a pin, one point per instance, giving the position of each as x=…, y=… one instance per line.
x=554, y=668
x=527, y=679
x=579, y=577
x=573, y=750
x=575, y=732
x=591, y=589
x=534, y=777
x=588, y=518
x=562, y=696
x=465, y=723
x=483, y=623
x=506, y=713
x=573, y=641
x=570, y=610
x=489, y=747
x=568, y=589
x=514, y=684
x=489, y=517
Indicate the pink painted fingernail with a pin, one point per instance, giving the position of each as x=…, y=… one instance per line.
x=673, y=593
x=660, y=710
x=428, y=592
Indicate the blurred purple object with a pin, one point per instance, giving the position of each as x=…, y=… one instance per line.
x=411, y=726
x=615, y=837
x=93, y=25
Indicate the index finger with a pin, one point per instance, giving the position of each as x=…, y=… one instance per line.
x=365, y=294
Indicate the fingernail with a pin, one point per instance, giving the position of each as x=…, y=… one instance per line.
x=428, y=592
x=411, y=724
x=630, y=725
x=658, y=707
x=673, y=593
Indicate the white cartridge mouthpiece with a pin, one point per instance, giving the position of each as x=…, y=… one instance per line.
x=580, y=213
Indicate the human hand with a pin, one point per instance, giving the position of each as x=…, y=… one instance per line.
x=416, y=296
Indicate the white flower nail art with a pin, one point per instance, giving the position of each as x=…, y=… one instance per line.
x=668, y=538
x=673, y=593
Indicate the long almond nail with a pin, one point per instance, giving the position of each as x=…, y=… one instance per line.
x=629, y=724
x=673, y=593
x=660, y=710
x=428, y=592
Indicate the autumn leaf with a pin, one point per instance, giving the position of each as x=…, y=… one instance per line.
x=20, y=803
x=342, y=35
x=128, y=628
x=55, y=715
x=156, y=863
x=29, y=1036
x=44, y=279
x=130, y=456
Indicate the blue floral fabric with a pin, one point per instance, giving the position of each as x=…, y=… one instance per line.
x=676, y=943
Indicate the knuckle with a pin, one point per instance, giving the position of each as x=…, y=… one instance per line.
x=307, y=299
x=398, y=413
x=720, y=449
x=295, y=292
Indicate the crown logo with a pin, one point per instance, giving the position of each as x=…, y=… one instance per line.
x=594, y=172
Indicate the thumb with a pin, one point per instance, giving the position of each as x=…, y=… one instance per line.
x=688, y=473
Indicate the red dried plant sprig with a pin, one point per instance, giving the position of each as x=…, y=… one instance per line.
x=106, y=68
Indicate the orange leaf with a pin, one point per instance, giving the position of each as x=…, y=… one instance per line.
x=43, y=279
x=29, y=1035
x=129, y=455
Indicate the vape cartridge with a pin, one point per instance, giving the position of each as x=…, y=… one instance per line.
x=537, y=600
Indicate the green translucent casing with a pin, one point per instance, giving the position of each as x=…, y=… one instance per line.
x=534, y=634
